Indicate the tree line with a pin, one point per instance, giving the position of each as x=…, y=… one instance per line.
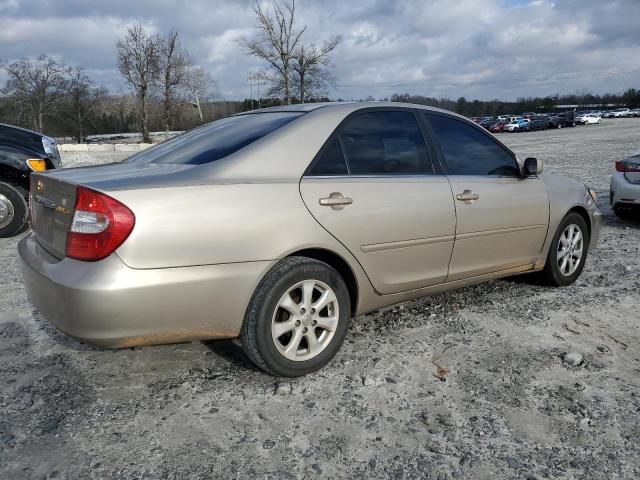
x=168, y=90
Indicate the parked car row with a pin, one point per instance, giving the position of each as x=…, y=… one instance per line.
x=526, y=122
x=621, y=113
x=531, y=121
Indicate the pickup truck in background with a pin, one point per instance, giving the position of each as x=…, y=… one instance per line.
x=21, y=152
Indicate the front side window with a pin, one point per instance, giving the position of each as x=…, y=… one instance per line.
x=385, y=143
x=468, y=151
x=215, y=140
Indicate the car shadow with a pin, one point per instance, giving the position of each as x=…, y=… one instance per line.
x=625, y=219
x=231, y=351
x=610, y=219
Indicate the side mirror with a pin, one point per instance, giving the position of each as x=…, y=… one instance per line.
x=532, y=167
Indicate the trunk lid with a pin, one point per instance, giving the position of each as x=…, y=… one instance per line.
x=52, y=203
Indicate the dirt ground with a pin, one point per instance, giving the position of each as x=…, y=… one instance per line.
x=506, y=404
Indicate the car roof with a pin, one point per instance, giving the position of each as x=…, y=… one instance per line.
x=20, y=129
x=348, y=107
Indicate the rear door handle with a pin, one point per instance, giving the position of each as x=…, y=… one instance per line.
x=467, y=197
x=336, y=201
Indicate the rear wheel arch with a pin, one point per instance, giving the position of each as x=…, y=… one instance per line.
x=339, y=264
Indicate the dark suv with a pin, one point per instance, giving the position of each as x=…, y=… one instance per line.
x=538, y=122
x=21, y=152
x=564, y=119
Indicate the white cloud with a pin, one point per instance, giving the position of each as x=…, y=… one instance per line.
x=471, y=48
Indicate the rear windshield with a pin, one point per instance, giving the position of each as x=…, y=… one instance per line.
x=215, y=140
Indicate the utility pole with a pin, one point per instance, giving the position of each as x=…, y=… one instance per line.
x=250, y=78
x=255, y=77
x=259, y=98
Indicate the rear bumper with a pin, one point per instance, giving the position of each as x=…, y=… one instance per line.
x=107, y=303
x=623, y=192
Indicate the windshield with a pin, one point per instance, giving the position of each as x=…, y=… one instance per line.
x=215, y=140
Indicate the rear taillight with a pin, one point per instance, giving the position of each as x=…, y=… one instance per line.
x=626, y=166
x=100, y=225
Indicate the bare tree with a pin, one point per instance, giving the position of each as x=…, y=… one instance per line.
x=173, y=64
x=310, y=67
x=276, y=42
x=121, y=106
x=36, y=87
x=138, y=61
x=82, y=98
x=199, y=85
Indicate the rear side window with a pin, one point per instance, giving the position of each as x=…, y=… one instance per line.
x=385, y=143
x=468, y=151
x=330, y=162
x=215, y=140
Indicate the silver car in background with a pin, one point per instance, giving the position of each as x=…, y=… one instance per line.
x=279, y=225
x=625, y=186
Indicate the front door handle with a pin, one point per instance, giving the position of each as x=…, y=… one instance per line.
x=467, y=197
x=336, y=201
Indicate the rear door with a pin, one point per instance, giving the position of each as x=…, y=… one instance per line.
x=502, y=218
x=374, y=188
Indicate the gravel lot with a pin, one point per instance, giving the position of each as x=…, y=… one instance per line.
x=510, y=405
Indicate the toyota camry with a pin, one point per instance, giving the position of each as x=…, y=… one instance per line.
x=279, y=225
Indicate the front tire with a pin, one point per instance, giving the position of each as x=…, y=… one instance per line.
x=297, y=318
x=568, y=251
x=13, y=210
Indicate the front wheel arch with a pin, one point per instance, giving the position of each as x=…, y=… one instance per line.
x=584, y=214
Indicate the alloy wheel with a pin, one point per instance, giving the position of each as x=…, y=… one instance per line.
x=570, y=248
x=305, y=320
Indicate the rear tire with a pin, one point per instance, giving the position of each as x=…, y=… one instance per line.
x=14, y=210
x=568, y=252
x=288, y=330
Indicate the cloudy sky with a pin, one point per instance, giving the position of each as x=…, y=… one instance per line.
x=474, y=48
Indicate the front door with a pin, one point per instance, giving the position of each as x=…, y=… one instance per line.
x=502, y=217
x=374, y=189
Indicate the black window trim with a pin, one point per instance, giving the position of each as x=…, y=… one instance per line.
x=429, y=147
x=440, y=155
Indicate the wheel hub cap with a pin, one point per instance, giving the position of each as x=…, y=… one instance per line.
x=305, y=320
x=570, y=248
x=6, y=211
